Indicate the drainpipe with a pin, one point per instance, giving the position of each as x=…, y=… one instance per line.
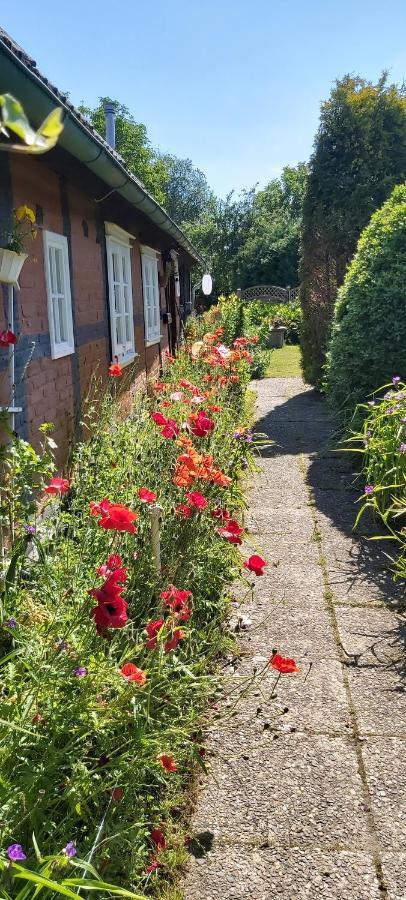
x=110, y=115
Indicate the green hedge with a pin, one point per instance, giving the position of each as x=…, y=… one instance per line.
x=368, y=343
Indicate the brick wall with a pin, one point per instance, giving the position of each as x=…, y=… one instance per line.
x=53, y=389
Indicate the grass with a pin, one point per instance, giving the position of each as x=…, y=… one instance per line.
x=285, y=363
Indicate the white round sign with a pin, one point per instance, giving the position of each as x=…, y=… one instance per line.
x=207, y=284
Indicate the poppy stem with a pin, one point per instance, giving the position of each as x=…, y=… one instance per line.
x=155, y=513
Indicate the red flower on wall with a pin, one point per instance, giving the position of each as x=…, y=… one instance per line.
x=255, y=564
x=57, y=486
x=283, y=664
x=118, y=518
x=115, y=370
x=7, y=338
x=131, y=672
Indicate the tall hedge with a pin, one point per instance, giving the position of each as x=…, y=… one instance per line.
x=368, y=343
x=359, y=156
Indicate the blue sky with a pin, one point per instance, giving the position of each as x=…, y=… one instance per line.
x=236, y=86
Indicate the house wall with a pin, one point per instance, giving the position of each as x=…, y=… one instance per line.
x=53, y=390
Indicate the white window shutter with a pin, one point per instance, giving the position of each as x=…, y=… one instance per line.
x=150, y=285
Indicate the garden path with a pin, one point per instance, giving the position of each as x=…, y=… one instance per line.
x=306, y=793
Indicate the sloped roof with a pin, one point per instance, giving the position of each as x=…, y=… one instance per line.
x=138, y=196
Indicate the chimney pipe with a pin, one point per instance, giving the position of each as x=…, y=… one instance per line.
x=110, y=115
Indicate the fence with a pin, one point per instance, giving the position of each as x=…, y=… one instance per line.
x=270, y=292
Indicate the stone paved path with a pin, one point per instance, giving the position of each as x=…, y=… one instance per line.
x=306, y=796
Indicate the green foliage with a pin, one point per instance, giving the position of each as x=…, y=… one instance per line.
x=368, y=343
x=270, y=253
x=187, y=194
x=69, y=743
x=23, y=471
x=259, y=316
x=13, y=118
x=133, y=144
x=381, y=441
x=359, y=156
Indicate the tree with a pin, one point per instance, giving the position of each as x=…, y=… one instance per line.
x=359, y=156
x=368, y=344
x=270, y=254
x=133, y=144
x=187, y=193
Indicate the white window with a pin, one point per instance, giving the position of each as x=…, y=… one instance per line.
x=58, y=294
x=120, y=292
x=152, y=307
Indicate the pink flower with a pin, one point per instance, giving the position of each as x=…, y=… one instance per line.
x=231, y=532
x=176, y=396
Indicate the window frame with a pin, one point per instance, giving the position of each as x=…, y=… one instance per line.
x=116, y=237
x=152, y=334
x=57, y=241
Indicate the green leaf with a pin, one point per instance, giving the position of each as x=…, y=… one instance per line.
x=26, y=875
x=104, y=886
x=14, y=119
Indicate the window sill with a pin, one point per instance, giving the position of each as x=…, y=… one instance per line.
x=63, y=351
x=127, y=361
x=156, y=340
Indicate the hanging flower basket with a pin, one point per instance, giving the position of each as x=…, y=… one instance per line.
x=11, y=264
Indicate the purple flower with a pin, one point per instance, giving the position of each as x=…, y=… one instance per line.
x=402, y=448
x=15, y=851
x=70, y=849
x=80, y=671
x=11, y=623
x=30, y=529
x=368, y=489
x=396, y=379
x=389, y=395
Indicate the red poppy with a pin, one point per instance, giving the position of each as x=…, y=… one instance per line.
x=152, y=629
x=158, y=418
x=169, y=357
x=170, y=429
x=231, y=532
x=283, y=664
x=158, y=838
x=255, y=564
x=99, y=509
x=197, y=500
x=115, y=370
x=200, y=424
x=172, y=642
x=185, y=512
x=112, y=563
x=220, y=513
x=132, y=673
x=119, y=518
x=57, y=486
x=7, y=338
x=174, y=593
x=146, y=496
x=111, y=614
x=117, y=794
x=159, y=386
x=167, y=762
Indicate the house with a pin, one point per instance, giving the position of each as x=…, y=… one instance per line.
x=109, y=276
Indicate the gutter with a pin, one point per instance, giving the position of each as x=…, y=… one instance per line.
x=85, y=145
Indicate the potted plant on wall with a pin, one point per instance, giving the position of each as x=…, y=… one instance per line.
x=12, y=255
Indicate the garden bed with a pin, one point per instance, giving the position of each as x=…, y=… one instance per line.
x=108, y=659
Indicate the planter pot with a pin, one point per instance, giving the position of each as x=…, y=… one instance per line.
x=276, y=337
x=11, y=264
